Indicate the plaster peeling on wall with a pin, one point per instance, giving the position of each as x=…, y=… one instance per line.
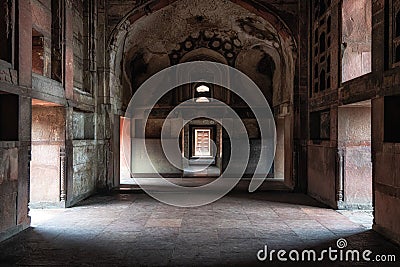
x=8, y=165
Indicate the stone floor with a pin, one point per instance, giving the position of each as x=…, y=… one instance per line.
x=135, y=230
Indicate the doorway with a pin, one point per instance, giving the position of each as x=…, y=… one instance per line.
x=202, y=146
x=125, y=151
x=47, y=172
x=355, y=158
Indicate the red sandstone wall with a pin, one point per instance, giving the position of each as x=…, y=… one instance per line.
x=357, y=38
x=386, y=177
x=354, y=137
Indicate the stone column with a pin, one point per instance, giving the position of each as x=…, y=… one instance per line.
x=63, y=194
x=24, y=43
x=68, y=51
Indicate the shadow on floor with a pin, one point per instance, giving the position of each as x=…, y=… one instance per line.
x=33, y=248
x=135, y=230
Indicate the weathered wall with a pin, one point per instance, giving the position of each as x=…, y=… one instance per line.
x=356, y=38
x=14, y=147
x=84, y=168
x=252, y=39
x=85, y=156
x=386, y=157
x=322, y=101
x=386, y=177
x=322, y=173
x=8, y=187
x=159, y=163
x=65, y=36
x=15, y=114
x=354, y=136
x=48, y=139
x=117, y=10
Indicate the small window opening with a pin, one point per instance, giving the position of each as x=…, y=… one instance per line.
x=202, y=143
x=202, y=93
x=37, y=52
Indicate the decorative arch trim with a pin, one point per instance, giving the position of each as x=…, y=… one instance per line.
x=263, y=10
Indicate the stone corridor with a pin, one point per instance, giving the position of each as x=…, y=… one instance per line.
x=135, y=230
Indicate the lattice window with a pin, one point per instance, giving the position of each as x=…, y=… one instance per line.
x=202, y=143
x=321, y=48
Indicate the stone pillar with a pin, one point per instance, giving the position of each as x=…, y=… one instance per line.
x=69, y=157
x=63, y=194
x=340, y=177
x=69, y=52
x=25, y=117
x=24, y=43
x=68, y=77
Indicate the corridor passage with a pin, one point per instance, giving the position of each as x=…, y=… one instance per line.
x=135, y=230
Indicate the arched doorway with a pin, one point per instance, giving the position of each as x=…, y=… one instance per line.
x=253, y=43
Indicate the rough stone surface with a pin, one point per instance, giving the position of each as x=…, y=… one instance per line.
x=48, y=139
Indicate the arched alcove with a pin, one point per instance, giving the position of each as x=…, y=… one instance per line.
x=255, y=42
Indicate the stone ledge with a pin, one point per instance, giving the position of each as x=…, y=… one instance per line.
x=77, y=143
x=9, y=76
x=47, y=89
